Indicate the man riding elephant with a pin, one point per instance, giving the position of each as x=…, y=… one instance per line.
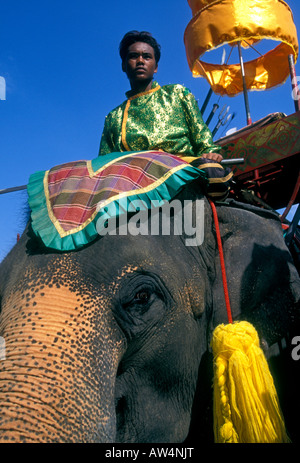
x=160, y=118
x=108, y=336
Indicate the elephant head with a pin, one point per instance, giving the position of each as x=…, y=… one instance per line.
x=106, y=344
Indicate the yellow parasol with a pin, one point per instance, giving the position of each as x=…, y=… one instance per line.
x=241, y=22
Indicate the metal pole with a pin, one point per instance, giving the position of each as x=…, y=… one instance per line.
x=230, y=120
x=23, y=187
x=208, y=97
x=249, y=121
x=215, y=107
x=210, y=92
x=234, y=161
x=15, y=188
x=221, y=118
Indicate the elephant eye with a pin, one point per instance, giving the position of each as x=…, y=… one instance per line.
x=141, y=302
x=142, y=297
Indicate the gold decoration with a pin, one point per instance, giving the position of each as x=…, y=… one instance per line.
x=218, y=22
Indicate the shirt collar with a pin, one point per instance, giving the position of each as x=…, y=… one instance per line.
x=154, y=84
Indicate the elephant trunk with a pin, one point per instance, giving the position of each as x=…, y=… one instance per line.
x=56, y=381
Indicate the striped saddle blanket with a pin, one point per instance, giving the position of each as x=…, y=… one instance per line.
x=67, y=200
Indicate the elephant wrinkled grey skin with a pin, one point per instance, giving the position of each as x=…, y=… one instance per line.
x=111, y=343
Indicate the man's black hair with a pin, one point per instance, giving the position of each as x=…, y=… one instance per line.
x=136, y=36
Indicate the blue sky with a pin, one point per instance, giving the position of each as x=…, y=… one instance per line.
x=63, y=74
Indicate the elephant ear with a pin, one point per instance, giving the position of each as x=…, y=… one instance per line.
x=263, y=283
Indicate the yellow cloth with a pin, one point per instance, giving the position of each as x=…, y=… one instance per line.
x=216, y=22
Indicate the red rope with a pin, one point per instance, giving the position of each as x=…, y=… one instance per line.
x=222, y=261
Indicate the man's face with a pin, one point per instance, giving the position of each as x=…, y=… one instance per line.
x=140, y=64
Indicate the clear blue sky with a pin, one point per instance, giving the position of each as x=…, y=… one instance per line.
x=63, y=75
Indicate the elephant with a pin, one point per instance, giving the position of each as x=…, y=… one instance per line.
x=112, y=343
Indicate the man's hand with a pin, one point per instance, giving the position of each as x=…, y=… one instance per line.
x=213, y=156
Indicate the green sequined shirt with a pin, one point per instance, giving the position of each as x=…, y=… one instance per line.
x=164, y=118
